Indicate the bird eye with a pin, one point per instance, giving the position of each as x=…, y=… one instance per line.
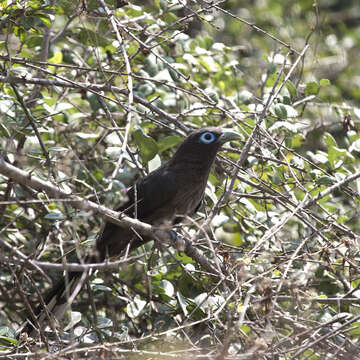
x=207, y=137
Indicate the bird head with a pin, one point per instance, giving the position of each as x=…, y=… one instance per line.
x=202, y=145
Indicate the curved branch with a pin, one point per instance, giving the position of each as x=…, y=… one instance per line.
x=26, y=178
x=94, y=88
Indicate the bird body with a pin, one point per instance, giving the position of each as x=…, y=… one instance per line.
x=156, y=200
x=165, y=196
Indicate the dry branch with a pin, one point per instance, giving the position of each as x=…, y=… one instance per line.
x=26, y=178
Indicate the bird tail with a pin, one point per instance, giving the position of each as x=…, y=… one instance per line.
x=57, y=300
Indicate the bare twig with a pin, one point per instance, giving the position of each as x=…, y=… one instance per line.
x=25, y=178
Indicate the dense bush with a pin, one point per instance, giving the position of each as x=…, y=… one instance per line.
x=95, y=94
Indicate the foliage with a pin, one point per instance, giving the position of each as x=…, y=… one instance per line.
x=95, y=94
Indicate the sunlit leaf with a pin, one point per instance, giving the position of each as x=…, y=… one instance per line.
x=167, y=288
x=103, y=322
x=87, y=135
x=134, y=308
x=55, y=216
x=75, y=317
x=56, y=58
x=325, y=82
x=329, y=139
x=336, y=154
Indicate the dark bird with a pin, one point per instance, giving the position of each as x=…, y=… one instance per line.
x=165, y=196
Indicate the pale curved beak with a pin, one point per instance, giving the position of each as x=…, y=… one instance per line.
x=229, y=135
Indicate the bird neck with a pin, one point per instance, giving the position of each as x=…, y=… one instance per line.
x=194, y=158
x=197, y=162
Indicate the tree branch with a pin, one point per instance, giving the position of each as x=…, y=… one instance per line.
x=26, y=178
x=94, y=88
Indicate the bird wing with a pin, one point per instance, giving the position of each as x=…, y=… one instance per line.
x=150, y=200
x=150, y=197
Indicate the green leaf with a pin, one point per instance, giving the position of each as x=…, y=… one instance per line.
x=325, y=180
x=86, y=135
x=4, y=131
x=335, y=154
x=44, y=18
x=100, y=287
x=271, y=80
x=52, y=206
x=325, y=82
x=98, y=174
x=89, y=37
x=354, y=146
x=7, y=336
x=292, y=89
x=207, y=42
x=296, y=141
x=157, y=4
x=151, y=65
x=58, y=148
x=355, y=329
x=170, y=18
x=56, y=58
x=328, y=139
x=94, y=102
x=184, y=259
x=135, y=307
x=134, y=11
x=167, y=288
x=103, y=322
x=145, y=90
x=182, y=302
x=276, y=178
x=147, y=145
x=284, y=111
x=34, y=40
x=55, y=216
x=168, y=142
x=312, y=88
x=75, y=317
x=280, y=111
x=163, y=5
x=245, y=329
x=6, y=339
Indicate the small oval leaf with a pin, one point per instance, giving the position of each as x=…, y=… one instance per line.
x=147, y=145
x=312, y=88
x=168, y=142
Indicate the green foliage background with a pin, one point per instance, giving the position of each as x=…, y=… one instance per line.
x=95, y=94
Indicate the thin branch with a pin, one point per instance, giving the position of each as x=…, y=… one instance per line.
x=25, y=178
x=94, y=88
x=256, y=28
x=129, y=84
x=31, y=120
x=332, y=188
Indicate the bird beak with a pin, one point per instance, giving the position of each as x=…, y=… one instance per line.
x=228, y=135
